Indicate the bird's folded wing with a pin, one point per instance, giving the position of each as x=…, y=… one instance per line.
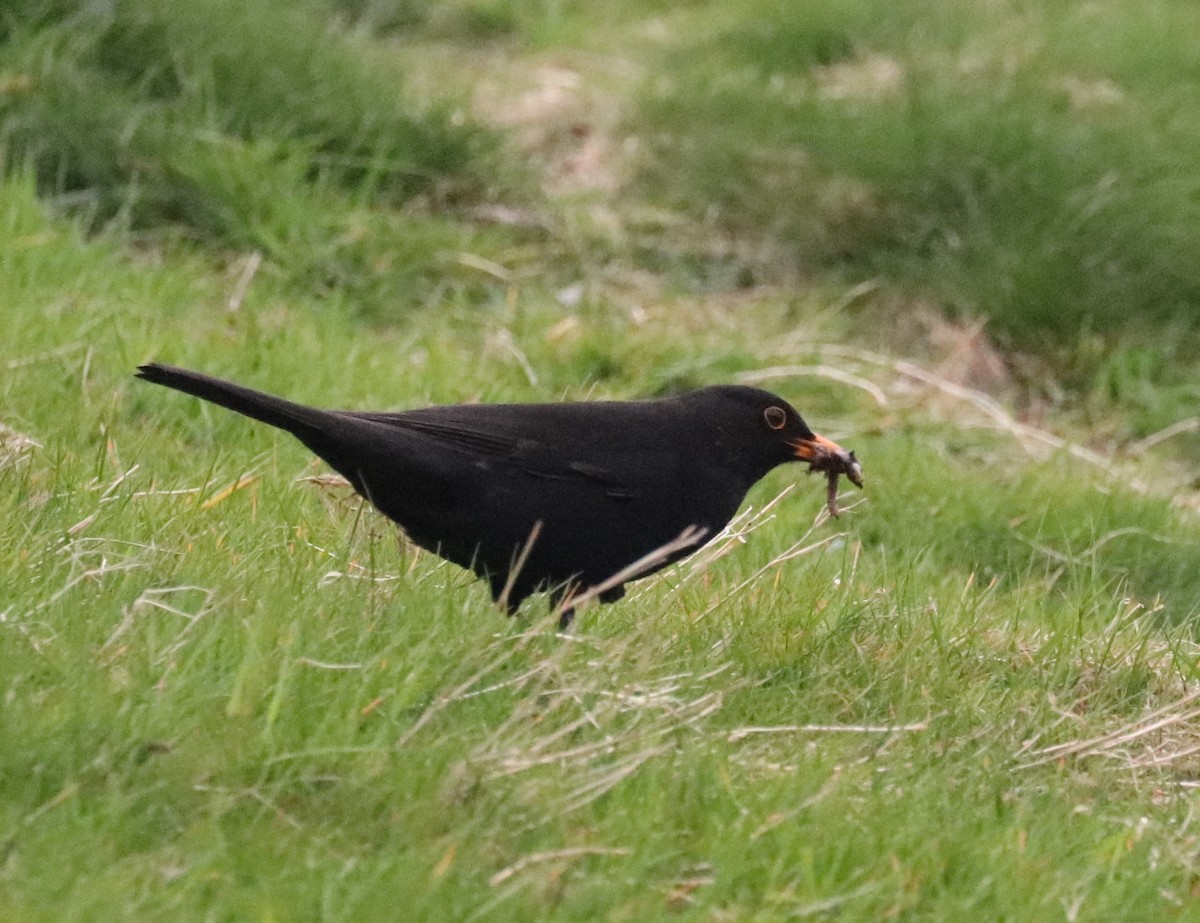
x=456, y=435
x=538, y=455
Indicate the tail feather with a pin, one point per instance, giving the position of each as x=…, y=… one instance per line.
x=296, y=418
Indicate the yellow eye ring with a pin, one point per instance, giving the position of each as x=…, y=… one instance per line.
x=776, y=417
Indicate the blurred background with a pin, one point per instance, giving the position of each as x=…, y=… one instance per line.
x=1008, y=188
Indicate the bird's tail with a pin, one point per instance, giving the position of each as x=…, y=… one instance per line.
x=297, y=419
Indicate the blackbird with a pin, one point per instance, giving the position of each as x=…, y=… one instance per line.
x=559, y=497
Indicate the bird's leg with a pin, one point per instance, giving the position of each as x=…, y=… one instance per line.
x=612, y=594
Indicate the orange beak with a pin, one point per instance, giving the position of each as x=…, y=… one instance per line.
x=826, y=455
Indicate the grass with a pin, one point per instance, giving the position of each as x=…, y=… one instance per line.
x=1001, y=160
x=248, y=127
x=230, y=692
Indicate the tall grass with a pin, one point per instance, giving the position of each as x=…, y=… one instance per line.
x=1012, y=164
x=246, y=127
x=125, y=103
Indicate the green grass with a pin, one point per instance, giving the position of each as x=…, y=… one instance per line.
x=1012, y=162
x=249, y=127
x=230, y=692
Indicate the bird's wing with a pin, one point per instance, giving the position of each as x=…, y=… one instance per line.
x=456, y=435
x=536, y=442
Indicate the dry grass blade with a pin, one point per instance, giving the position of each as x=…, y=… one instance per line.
x=157, y=600
x=226, y=492
x=92, y=573
x=736, y=534
x=797, y=550
x=692, y=535
x=739, y=734
x=64, y=795
x=15, y=446
x=515, y=570
x=58, y=352
x=826, y=905
x=326, y=665
x=1174, y=713
x=505, y=650
x=245, y=277
x=1190, y=425
x=554, y=855
x=574, y=735
x=605, y=781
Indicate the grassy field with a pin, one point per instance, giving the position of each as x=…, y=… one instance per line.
x=960, y=239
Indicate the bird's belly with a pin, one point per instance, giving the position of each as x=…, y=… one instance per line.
x=568, y=539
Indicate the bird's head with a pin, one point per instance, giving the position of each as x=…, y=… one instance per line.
x=769, y=426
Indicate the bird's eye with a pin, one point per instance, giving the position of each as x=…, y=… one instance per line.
x=776, y=417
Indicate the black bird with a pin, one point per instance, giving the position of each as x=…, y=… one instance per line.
x=559, y=497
